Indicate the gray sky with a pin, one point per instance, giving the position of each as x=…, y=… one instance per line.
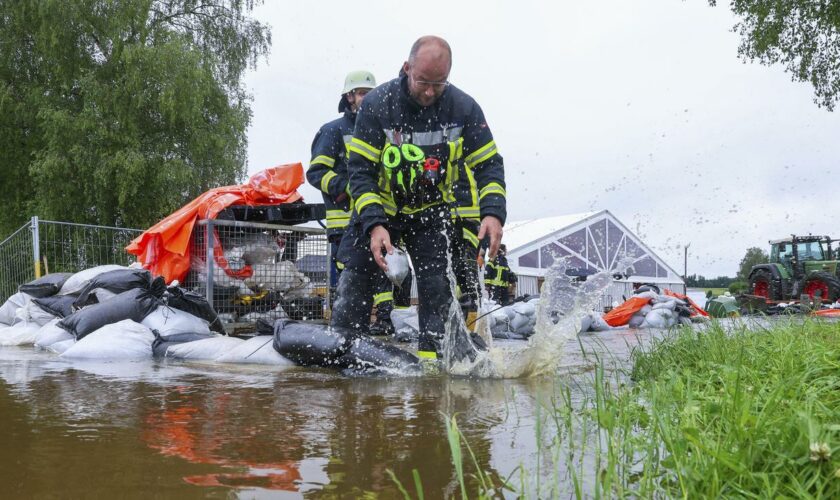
x=640, y=107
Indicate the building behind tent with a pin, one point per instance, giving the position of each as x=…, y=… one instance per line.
x=591, y=242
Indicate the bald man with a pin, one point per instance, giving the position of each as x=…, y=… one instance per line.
x=414, y=137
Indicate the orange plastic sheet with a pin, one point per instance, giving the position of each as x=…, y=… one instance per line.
x=164, y=249
x=696, y=310
x=621, y=315
x=828, y=313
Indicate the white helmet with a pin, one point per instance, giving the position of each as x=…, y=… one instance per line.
x=355, y=80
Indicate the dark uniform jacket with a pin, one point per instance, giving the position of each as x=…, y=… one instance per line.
x=395, y=136
x=328, y=171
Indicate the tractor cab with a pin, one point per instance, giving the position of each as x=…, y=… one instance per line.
x=801, y=255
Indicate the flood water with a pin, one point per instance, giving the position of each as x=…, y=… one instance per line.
x=212, y=430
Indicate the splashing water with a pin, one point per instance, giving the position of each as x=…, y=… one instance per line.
x=561, y=306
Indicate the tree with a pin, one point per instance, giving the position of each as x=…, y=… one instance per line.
x=118, y=112
x=803, y=35
x=753, y=257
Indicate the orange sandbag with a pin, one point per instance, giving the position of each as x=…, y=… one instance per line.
x=621, y=315
x=164, y=249
x=696, y=310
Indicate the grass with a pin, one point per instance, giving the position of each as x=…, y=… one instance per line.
x=736, y=412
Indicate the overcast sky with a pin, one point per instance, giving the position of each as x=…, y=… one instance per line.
x=639, y=107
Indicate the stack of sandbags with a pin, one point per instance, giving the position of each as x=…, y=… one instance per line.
x=513, y=321
x=650, y=310
x=21, y=316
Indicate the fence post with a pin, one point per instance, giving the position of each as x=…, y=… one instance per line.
x=211, y=243
x=36, y=246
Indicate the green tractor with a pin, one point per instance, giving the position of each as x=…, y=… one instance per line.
x=799, y=265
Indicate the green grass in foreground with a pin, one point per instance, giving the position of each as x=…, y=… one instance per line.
x=718, y=413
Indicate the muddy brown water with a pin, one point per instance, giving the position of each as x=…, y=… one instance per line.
x=207, y=430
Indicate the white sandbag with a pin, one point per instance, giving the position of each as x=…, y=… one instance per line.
x=636, y=320
x=585, y=323
x=21, y=333
x=525, y=308
x=645, y=309
x=397, y=264
x=78, y=281
x=169, y=321
x=32, y=313
x=405, y=318
x=598, y=323
x=281, y=276
x=509, y=312
x=670, y=305
x=51, y=333
x=60, y=347
x=305, y=289
x=10, y=307
x=660, y=318
x=204, y=350
x=258, y=350
x=647, y=295
x=519, y=322
x=123, y=340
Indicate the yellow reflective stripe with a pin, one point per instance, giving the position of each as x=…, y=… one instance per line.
x=492, y=188
x=325, y=181
x=361, y=147
x=409, y=210
x=337, y=214
x=471, y=237
x=481, y=154
x=466, y=212
x=427, y=354
x=494, y=282
x=337, y=223
x=339, y=265
x=323, y=160
x=388, y=204
x=382, y=297
x=367, y=199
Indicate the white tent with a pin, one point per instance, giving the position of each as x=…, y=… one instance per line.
x=592, y=242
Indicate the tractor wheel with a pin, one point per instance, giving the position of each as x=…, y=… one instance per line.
x=761, y=284
x=821, y=283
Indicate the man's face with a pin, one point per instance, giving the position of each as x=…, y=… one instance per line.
x=427, y=78
x=355, y=98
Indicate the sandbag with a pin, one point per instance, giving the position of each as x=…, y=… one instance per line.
x=598, y=323
x=117, y=281
x=203, y=350
x=60, y=347
x=32, y=313
x=21, y=333
x=405, y=318
x=10, y=307
x=636, y=320
x=134, y=305
x=76, y=283
x=51, y=333
x=367, y=354
x=161, y=345
x=671, y=304
x=660, y=318
x=585, y=323
x=308, y=344
x=397, y=263
x=258, y=350
x=45, y=286
x=60, y=306
x=167, y=321
x=194, y=304
x=123, y=340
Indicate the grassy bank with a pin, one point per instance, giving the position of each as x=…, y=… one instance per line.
x=718, y=413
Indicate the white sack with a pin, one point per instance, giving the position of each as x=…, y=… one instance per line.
x=51, y=333
x=636, y=320
x=525, y=308
x=123, y=340
x=78, y=281
x=670, y=305
x=32, y=313
x=398, y=269
x=598, y=323
x=406, y=318
x=22, y=333
x=60, y=347
x=169, y=321
x=258, y=350
x=10, y=307
x=204, y=350
x=660, y=318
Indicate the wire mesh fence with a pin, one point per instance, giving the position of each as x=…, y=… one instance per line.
x=41, y=247
x=251, y=271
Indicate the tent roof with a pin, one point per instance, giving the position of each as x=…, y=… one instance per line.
x=520, y=233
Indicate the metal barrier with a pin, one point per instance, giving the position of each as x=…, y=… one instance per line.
x=40, y=247
x=251, y=271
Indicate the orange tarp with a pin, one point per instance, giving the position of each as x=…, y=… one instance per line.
x=621, y=315
x=164, y=248
x=828, y=313
x=697, y=310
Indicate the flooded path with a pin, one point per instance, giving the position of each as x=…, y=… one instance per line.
x=193, y=430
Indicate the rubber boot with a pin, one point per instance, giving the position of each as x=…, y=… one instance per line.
x=383, y=325
x=434, y=296
x=353, y=304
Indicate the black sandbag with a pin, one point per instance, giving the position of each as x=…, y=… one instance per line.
x=45, y=286
x=197, y=305
x=58, y=305
x=134, y=305
x=160, y=345
x=309, y=344
x=117, y=281
x=371, y=355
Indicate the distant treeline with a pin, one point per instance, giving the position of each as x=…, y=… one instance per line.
x=700, y=281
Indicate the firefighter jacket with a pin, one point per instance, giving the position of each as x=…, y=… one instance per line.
x=498, y=273
x=397, y=142
x=328, y=171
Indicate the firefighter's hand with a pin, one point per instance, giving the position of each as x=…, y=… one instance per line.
x=492, y=227
x=380, y=240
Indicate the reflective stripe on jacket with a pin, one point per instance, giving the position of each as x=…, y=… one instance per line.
x=328, y=171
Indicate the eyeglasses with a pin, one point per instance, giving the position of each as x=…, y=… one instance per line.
x=435, y=85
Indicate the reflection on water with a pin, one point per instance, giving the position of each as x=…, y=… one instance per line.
x=171, y=429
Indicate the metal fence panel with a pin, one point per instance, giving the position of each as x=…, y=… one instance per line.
x=252, y=271
x=17, y=263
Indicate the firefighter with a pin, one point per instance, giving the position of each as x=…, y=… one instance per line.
x=328, y=173
x=498, y=277
x=411, y=136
